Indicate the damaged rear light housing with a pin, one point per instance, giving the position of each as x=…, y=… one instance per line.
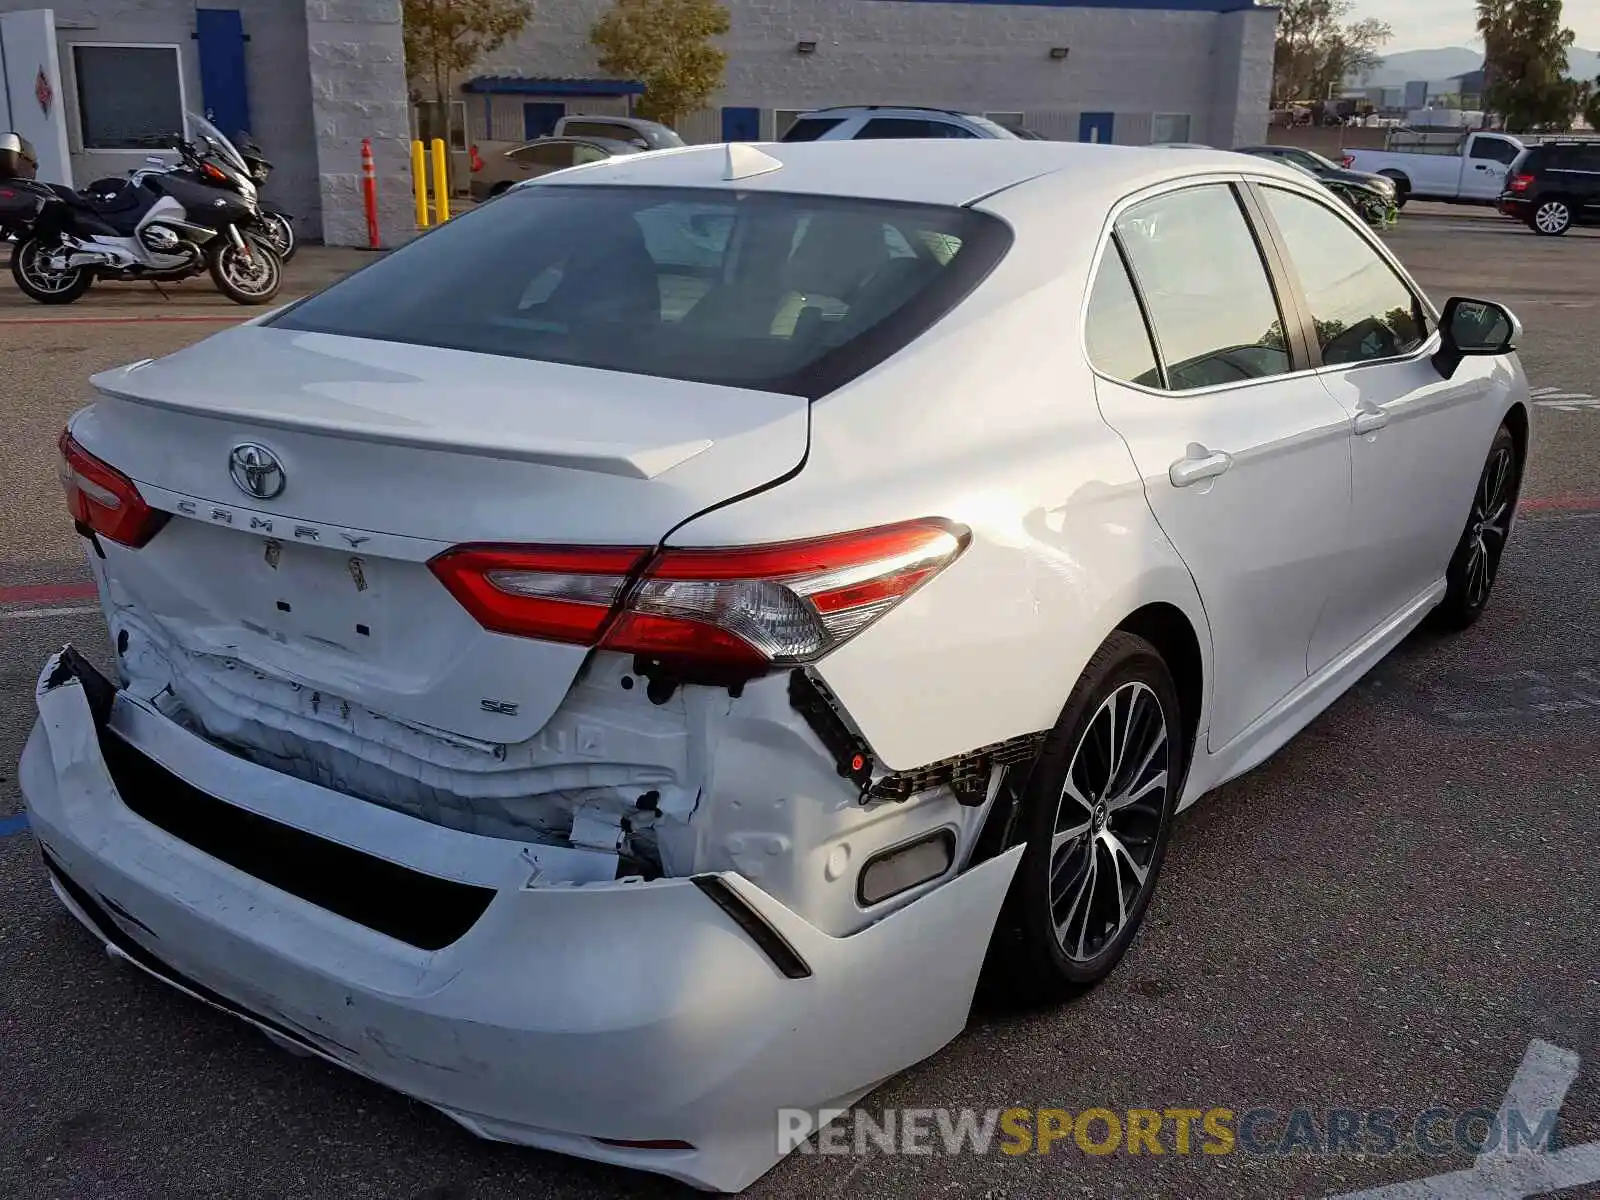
x=735, y=610
x=103, y=499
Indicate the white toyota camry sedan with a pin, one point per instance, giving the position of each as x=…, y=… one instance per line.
x=622, y=664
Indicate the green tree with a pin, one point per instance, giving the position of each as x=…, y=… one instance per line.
x=446, y=37
x=665, y=45
x=1591, y=106
x=1525, y=65
x=1318, y=48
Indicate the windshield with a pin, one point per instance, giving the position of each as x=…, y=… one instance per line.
x=783, y=293
x=204, y=130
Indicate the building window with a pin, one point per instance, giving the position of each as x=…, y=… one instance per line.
x=783, y=118
x=458, y=125
x=1010, y=120
x=1170, y=127
x=130, y=97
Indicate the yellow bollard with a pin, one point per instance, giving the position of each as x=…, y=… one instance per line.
x=441, y=183
x=419, y=182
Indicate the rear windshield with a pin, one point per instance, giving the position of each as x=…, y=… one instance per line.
x=785, y=293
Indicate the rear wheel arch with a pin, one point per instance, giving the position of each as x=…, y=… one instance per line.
x=1169, y=630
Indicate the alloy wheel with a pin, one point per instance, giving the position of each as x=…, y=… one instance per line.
x=252, y=274
x=1489, y=524
x=1109, y=821
x=1553, y=216
x=35, y=267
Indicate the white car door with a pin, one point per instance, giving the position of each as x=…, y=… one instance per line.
x=1483, y=173
x=1245, y=457
x=1417, y=440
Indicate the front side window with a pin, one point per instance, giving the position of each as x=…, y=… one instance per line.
x=777, y=292
x=1206, y=287
x=129, y=97
x=1362, y=309
x=1493, y=149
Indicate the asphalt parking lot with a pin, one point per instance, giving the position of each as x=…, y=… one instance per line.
x=1385, y=916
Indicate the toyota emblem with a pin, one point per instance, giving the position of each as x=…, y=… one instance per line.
x=256, y=470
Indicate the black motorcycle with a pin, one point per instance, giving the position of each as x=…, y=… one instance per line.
x=238, y=167
x=158, y=226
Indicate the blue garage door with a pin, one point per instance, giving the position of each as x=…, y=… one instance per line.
x=1096, y=127
x=741, y=124
x=219, y=35
x=539, y=118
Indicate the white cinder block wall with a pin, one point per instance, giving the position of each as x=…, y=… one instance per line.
x=1136, y=62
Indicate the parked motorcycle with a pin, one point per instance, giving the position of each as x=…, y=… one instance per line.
x=277, y=225
x=239, y=168
x=156, y=225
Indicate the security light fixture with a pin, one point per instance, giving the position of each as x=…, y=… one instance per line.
x=806, y=47
x=1059, y=53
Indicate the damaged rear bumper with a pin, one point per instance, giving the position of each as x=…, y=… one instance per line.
x=521, y=989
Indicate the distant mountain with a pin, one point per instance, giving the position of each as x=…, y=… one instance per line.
x=1446, y=63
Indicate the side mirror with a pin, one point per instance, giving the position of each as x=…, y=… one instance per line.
x=1474, y=329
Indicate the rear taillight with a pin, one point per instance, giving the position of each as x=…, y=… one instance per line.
x=1347, y=161
x=738, y=610
x=1521, y=183
x=105, y=499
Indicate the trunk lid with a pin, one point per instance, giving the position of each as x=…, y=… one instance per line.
x=389, y=454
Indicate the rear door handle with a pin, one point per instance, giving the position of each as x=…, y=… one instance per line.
x=1197, y=465
x=1370, y=420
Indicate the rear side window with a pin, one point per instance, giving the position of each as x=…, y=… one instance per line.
x=809, y=129
x=603, y=129
x=777, y=292
x=1206, y=287
x=912, y=127
x=1114, y=330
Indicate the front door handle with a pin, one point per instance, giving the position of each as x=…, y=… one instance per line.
x=1198, y=464
x=1370, y=420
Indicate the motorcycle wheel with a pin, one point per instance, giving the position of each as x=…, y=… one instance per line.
x=278, y=231
x=245, y=279
x=38, y=282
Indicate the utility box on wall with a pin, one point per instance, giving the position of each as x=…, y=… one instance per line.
x=31, y=100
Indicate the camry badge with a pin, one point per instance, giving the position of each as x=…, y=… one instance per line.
x=256, y=471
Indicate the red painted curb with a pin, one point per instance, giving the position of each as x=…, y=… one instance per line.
x=46, y=593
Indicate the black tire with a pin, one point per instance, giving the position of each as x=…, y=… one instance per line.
x=1475, y=565
x=221, y=254
x=278, y=232
x=1551, y=216
x=72, y=284
x=1030, y=960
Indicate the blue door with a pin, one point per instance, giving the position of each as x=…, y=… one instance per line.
x=741, y=124
x=219, y=35
x=539, y=118
x=1096, y=127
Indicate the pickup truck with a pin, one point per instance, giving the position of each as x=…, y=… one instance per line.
x=1470, y=170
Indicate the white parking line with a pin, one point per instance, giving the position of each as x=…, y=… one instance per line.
x=1538, y=1087
x=17, y=614
x=1563, y=401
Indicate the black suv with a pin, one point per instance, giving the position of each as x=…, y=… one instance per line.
x=1554, y=186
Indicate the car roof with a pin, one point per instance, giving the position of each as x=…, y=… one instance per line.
x=925, y=171
x=611, y=145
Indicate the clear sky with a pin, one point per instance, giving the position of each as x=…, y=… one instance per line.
x=1431, y=24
